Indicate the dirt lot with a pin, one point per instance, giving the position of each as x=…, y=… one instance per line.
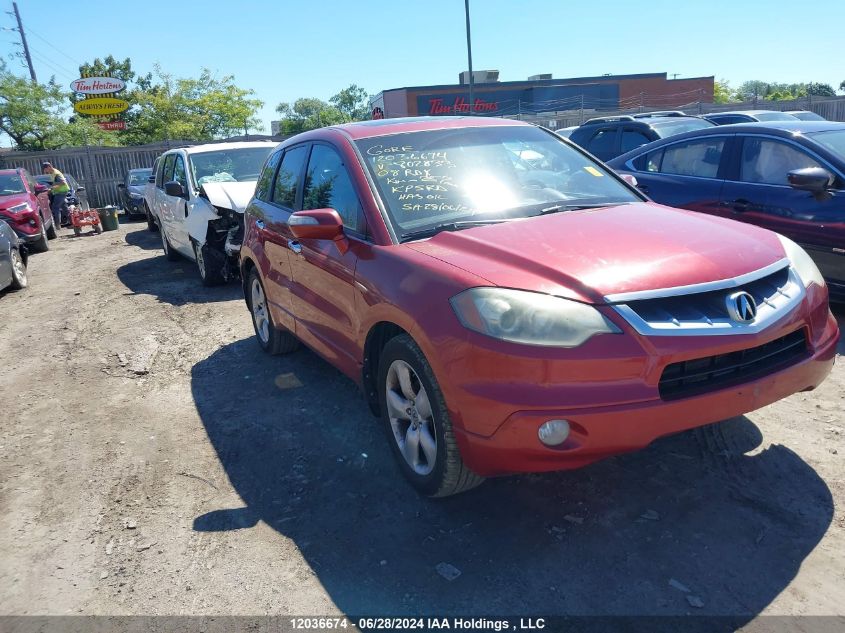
x=155, y=461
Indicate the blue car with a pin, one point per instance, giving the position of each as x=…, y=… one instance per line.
x=787, y=176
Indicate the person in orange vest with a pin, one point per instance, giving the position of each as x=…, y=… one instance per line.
x=58, y=193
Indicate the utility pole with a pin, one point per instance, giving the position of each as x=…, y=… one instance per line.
x=469, y=58
x=23, y=41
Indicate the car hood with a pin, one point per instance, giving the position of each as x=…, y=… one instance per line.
x=230, y=195
x=13, y=200
x=138, y=190
x=590, y=254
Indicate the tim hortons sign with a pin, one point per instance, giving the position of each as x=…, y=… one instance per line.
x=97, y=85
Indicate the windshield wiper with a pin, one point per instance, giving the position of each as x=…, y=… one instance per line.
x=449, y=226
x=575, y=207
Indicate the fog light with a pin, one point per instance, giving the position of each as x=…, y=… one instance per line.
x=553, y=432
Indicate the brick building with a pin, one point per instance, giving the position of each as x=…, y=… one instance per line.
x=541, y=93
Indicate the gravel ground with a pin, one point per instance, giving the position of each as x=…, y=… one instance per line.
x=155, y=461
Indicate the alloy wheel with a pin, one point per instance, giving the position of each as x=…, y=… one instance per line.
x=18, y=268
x=259, y=312
x=411, y=418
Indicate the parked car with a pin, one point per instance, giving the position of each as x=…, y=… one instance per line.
x=149, y=198
x=747, y=116
x=785, y=176
x=805, y=115
x=77, y=194
x=13, y=258
x=566, y=132
x=607, y=137
x=199, y=199
x=499, y=326
x=132, y=191
x=24, y=205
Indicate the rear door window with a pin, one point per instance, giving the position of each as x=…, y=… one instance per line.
x=265, y=181
x=602, y=143
x=699, y=158
x=632, y=139
x=286, y=186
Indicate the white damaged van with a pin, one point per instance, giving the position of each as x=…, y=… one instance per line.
x=199, y=199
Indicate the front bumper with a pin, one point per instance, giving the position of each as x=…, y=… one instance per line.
x=134, y=207
x=608, y=391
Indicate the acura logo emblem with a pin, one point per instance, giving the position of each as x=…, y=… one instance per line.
x=741, y=307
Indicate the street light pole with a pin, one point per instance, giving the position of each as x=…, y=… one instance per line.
x=469, y=57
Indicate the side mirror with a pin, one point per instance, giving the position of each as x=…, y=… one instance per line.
x=39, y=188
x=630, y=179
x=813, y=179
x=316, y=224
x=80, y=188
x=120, y=185
x=174, y=189
x=151, y=179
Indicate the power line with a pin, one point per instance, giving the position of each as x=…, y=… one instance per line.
x=51, y=45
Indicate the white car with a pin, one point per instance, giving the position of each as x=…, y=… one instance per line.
x=149, y=197
x=198, y=200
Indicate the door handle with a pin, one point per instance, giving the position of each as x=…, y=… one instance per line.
x=259, y=224
x=740, y=205
x=295, y=246
x=186, y=208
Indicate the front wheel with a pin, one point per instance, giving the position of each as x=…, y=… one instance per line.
x=19, y=278
x=51, y=232
x=417, y=422
x=42, y=244
x=209, y=273
x=271, y=339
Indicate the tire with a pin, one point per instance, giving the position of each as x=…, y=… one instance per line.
x=272, y=340
x=98, y=228
x=42, y=244
x=77, y=231
x=19, y=278
x=203, y=258
x=444, y=472
x=51, y=232
x=169, y=253
x=151, y=223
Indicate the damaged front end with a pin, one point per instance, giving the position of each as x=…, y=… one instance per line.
x=218, y=229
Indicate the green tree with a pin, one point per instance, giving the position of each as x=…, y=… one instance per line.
x=842, y=85
x=820, y=90
x=722, y=91
x=308, y=113
x=201, y=109
x=353, y=102
x=32, y=114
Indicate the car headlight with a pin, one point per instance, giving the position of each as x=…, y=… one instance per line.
x=802, y=263
x=20, y=208
x=529, y=317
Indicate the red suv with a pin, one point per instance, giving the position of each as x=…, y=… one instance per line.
x=24, y=206
x=509, y=304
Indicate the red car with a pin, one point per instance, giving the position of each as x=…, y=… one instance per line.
x=509, y=304
x=24, y=206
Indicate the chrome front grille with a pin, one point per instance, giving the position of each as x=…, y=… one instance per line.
x=702, y=309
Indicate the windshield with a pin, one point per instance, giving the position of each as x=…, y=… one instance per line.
x=431, y=177
x=773, y=116
x=834, y=140
x=670, y=128
x=10, y=184
x=139, y=177
x=241, y=164
x=807, y=116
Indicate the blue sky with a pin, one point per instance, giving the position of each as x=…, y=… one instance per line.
x=285, y=50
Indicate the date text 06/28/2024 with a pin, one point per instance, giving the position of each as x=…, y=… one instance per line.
x=418, y=624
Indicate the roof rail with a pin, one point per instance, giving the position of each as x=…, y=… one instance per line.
x=668, y=113
x=609, y=119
